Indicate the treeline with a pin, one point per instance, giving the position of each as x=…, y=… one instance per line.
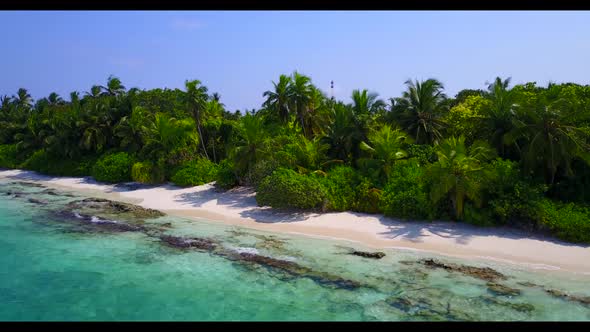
x=504, y=155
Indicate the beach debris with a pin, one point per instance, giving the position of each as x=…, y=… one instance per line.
x=374, y=255
x=484, y=273
x=500, y=289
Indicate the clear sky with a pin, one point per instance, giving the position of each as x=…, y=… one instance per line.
x=239, y=53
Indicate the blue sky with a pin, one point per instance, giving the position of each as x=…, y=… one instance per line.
x=239, y=53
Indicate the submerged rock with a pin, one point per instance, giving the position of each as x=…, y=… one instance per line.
x=484, y=273
x=88, y=223
x=502, y=289
x=106, y=206
x=375, y=255
x=521, y=307
x=27, y=184
x=585, y=300
x=193, y=242
x=426, y=309
x=50, y=192
x=292, y=269
x=38, y=201
x=528, y=284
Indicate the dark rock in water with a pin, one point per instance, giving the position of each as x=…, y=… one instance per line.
x=484, y=273
x=293, y=269
x=522, y=307
x=527, y=284
x=375, y=255
x=407, y=262
x=111, y=207
x=28, y=184
x=502, y=289
x=90, y=223
x=574, y=298
x=193, y=242
x=49, y=191
x=38, y=201
x=427, y=309
x=167, y=225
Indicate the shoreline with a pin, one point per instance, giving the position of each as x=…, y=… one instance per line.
x=238, y=207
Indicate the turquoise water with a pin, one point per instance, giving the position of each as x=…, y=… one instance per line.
x=53, y=271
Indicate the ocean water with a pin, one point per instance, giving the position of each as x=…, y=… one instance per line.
x=51, y=270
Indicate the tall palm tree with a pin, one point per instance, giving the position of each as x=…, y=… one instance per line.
x=196, y=100
x=94, y=91
x=386, y=146
x=550, y=139
x=364, y=102
x=278, y=100
x=457, y=171
x=54, y=99
x=498, y=117
x=23, y=99
x=342, y=134
x=114, y=87
x=300, y=91
x=164, y=133
x=421, y=107
x=250, y=144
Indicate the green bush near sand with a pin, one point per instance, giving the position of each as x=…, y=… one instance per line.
x=147, y=172
x=8, y=156
x=43, y=162
x=195, y=173
x=287, y=189
x=114, y=167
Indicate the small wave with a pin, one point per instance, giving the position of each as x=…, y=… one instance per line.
x=287, y=258
x=77, y=215
x=246, y=250
x=98, y=220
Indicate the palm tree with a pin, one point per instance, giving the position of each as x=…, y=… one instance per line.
x=114, y=87
x=386, y=146
x=300, y=91
x=457, y=171
x=250, y=145
x=342, y=134
x=54, y=99
x=421, y=106
x=366, y=103
x=278, y=100
x=94, y=91
x=164, y=133
x=498, y=117
x=23, y=99
x=550, y=139
x=196, y=100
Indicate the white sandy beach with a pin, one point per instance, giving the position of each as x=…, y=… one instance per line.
x=238, y=207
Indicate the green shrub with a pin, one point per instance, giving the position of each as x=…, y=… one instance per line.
x=339, y=185
x=112, y=168
x=260, y=170
x=43, y=162
x=286, y=188
x=405, y=195
x=367, y=197
x=195, y=173
x=477, y=216
x=8, y=156
x=226, y=177
x=147, y=172
x=570, y=222
x=424, y=154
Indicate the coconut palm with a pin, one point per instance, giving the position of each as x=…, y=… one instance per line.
x=250, y=144
x=498, y=117
x=163, y=134
x=114, y=87
x=342, y=134
x=420, y=110
x=457, y=172
x=364, y=102
x=23, y=99
x=278, y=100
x=386, y=146
x=54, y=99
x=551, y=140
x=300, y=92
x=196, y=101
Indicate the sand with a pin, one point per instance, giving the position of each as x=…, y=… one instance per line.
x=238, y=207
